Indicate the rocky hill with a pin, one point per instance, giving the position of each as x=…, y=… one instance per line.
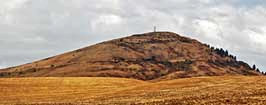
x=149, y=56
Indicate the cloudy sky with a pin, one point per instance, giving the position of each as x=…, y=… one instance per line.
x=35, y=29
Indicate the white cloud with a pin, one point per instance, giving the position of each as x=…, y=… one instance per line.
x=108, y=20
x=207, y=28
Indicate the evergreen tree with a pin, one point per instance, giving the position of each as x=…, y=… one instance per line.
x=212, y=48
x=234, y=57
x=226, y=53
x=254, y=67
x=258, y=70
x=208, y=45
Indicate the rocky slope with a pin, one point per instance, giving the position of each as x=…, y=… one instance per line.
x=149, y=56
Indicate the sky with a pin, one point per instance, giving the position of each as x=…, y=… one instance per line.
x=31, y=30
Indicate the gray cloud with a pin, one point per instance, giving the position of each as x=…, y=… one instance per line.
x=35, y=29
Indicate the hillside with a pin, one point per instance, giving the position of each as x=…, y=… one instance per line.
x=222, y=90
x=149, y=56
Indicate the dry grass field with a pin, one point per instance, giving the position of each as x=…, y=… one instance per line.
x=118, y=91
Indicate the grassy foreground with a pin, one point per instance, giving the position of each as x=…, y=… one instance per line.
x=93, y=91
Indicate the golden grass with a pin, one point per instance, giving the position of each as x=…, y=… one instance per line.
x=58, y=90
x=109, y=91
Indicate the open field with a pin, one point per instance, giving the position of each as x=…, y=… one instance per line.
x=93, y=91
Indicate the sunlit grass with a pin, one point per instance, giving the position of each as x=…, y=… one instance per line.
x=200, y=90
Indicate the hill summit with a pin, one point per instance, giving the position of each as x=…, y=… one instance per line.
x=149, y=56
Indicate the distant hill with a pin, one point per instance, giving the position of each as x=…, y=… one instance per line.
x=149, y=56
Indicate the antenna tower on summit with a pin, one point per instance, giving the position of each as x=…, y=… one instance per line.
x=154, y=28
